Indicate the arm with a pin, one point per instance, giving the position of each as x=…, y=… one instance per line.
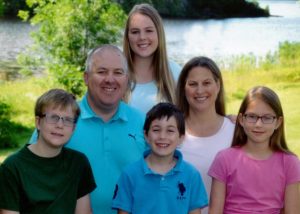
x=196, y=211
x=8, y=212
x=292, y=198
x=83, y=205
x=217, y=197
x=122, y=212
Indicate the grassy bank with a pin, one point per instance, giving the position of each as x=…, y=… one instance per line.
x=280, y=72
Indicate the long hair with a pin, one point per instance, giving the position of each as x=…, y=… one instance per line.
x=268, y=96
x=208, y=63
x=162, y=74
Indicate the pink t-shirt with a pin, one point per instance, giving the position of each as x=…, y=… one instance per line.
x=254, y=186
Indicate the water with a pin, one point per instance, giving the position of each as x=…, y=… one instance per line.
x=219, y=39
x=235, y=36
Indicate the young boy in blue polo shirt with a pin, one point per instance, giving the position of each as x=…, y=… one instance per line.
x=46, y=177
x=161, y=182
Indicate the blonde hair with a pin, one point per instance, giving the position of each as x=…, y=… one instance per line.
x=162, y=74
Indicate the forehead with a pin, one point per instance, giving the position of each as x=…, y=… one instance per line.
x=200, y=72
x=59, y=109
x=259, y=106
x=140, y=20
x=107, y=58
x=164, y=121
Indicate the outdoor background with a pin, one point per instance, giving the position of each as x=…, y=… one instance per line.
x=250, y=52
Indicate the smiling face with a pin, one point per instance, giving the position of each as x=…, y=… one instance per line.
x=259, y=132
x=142, y=35
x=107, y=80
x=163, y=137
x=54, y=135
x=201, y=89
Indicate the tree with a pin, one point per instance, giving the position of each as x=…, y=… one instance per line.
x=67, y=30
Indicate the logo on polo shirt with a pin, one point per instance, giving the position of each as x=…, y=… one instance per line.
x=181, y=191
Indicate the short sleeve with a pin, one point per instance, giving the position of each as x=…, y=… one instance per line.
x=217, y=169
x=122, y=198
x=87, y=182
x=292, y=169
x=9, y=189
x=198, y=193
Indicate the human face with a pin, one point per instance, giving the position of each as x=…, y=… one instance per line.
x=106, y=81
x=54, y=135
x=201, y=89
x=163, y=137
x=259, y=132
x=142, y=35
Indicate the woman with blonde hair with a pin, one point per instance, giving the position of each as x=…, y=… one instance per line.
x=153, y=75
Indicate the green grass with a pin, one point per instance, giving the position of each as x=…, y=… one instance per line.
x=283, y=78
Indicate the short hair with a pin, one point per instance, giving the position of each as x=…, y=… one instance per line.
x=268, y=96
x=162, y=110
x=57, y=98
x=208, y=63
x=162, y=74
x=101, y=48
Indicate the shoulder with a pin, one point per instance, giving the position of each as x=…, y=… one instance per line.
x=74, y=154
x=228, y=153
x=175, y=69
x=131, y=112
x=14, y=158
x=228, y=125
x=290, y=159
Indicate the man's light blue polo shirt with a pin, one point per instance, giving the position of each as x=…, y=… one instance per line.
x=109, y=146
x=140, y=190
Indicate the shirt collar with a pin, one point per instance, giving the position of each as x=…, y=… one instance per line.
x=87, y=112
x=177, y=168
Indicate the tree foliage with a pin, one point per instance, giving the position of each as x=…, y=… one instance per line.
x=202, y=8
x=67, y=30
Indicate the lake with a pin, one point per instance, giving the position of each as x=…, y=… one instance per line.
x=219, y=39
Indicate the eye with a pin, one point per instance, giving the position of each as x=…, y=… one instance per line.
x=134, y=31
x=119, y=72
x=192, y=84
x=69, y=119
x=206, y=83
x=54, y=117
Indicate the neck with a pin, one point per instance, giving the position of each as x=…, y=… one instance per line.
x=104, y=112
x=143, y=69
x=203, y=124
x=40, y=149
x=160, y=165
x=259, y=151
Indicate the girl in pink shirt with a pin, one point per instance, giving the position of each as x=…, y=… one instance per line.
x=258, y=174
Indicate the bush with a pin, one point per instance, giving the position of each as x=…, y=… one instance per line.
x=8, y=129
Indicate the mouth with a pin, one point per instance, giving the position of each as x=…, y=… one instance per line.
x=56, y=134
x=162, y=145
x=201, y=98
x=143, y=45
x=109, y=89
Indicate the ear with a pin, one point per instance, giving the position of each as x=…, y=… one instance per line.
x=278, y=122
x=86, y=78
x=240, y=119
x=146, y=137
x=37, y=123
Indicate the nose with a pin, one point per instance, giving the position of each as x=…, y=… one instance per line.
x=60, y=122
x=142, y=35
x=109, y=77
x=259, y=122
